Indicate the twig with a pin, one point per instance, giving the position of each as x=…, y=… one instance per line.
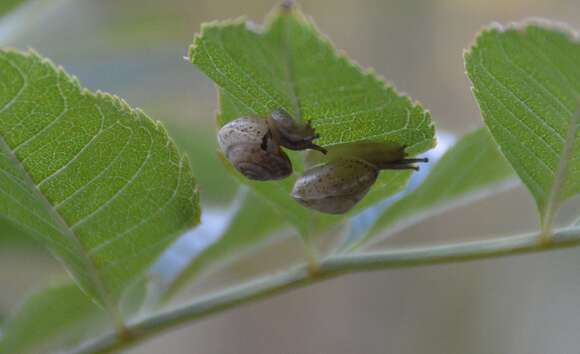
x=333, y=266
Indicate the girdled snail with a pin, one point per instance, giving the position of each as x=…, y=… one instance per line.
x=253, y=144
x=337, y=186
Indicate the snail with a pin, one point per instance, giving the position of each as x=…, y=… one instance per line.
x=337, y=186
x=253, y=145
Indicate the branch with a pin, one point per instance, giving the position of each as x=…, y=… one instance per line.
x=332, y=266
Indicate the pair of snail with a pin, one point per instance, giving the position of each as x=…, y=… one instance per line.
x=253, y=145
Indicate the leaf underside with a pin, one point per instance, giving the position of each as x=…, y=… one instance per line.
x=526, y=80
x=99, y=183
x=287, y=64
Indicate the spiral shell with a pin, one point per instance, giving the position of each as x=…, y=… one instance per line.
x=248, y=145
x=335, y=187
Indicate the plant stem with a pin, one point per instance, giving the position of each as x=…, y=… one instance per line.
x=332, y=266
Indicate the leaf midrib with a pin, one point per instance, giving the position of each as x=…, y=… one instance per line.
x=297, y=114
x=65, y=230
x=62, y=225
x=555, y=193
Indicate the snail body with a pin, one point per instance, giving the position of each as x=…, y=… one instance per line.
x=291, y=134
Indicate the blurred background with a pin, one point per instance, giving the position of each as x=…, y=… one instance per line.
x=135, y=48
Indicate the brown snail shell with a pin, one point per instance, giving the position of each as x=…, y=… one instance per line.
x=335, y=187
x=248, y=145
x=253, y=144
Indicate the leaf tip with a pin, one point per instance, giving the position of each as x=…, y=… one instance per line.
x=285, y=8
x=522, y=26
x=287, y=5
x=543, y=23
x=206, y=30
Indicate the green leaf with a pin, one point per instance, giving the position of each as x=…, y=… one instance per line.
x=472, y=169
x=288, y=64
x=50, y=319
x=99, y=183
x=254, y=223
x=527, y=83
